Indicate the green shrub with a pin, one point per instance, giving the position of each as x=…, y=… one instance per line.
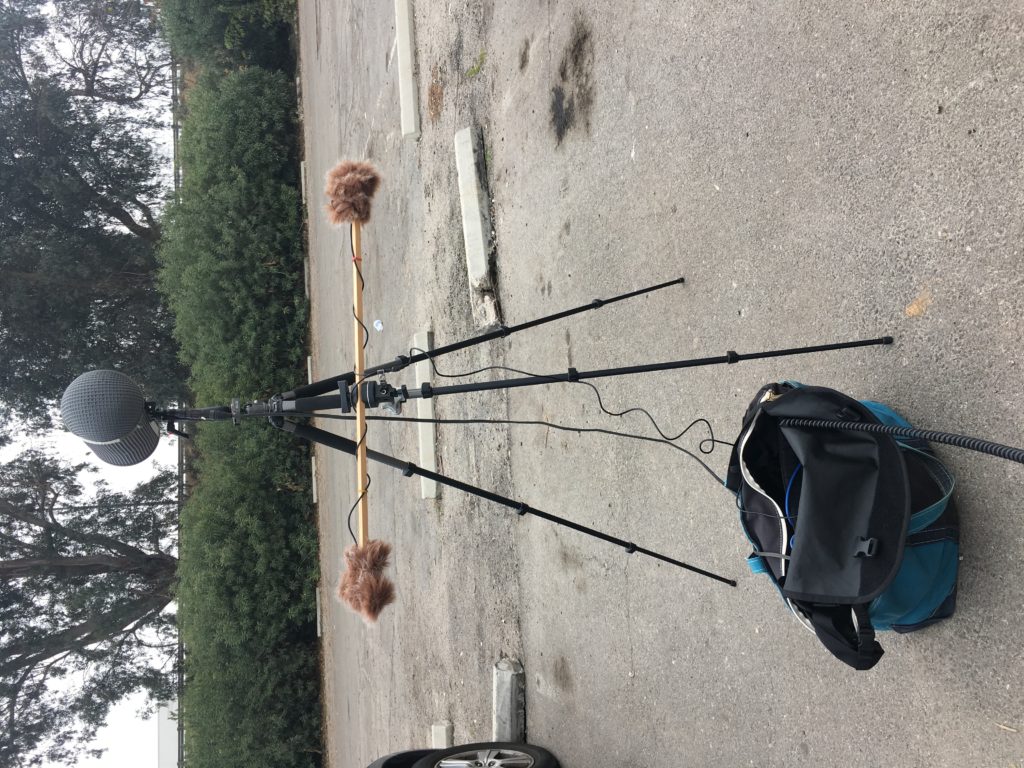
x=247, y=608
x=232, y=248
x=231, y=267
x=227, y=33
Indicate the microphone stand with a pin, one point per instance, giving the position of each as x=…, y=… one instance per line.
x=374, y=394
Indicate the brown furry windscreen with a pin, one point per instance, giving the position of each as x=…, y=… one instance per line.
x=363, y=586
x=350, y=187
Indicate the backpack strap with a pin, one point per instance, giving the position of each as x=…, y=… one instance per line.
x=854, y=645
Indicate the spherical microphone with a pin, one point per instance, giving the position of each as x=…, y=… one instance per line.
x=108, y=411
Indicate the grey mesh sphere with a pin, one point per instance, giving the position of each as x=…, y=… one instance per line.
x=101, y=406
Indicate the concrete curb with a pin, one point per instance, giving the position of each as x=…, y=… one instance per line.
x=442, y=735
x=302, y=184
x=476, y=227
x=312, y=470
x=475, y=232
x=508, y=715
x=407, y=96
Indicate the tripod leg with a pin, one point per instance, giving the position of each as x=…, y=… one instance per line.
x=330, y=384
x=331, y=440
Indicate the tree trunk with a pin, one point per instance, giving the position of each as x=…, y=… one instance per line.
x=154, y=567
x=97, y=628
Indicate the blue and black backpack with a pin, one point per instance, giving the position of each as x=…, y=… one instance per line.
x=858, y=531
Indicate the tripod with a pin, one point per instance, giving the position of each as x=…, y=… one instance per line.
x=347, y=391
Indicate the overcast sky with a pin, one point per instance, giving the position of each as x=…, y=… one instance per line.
x=131, y=741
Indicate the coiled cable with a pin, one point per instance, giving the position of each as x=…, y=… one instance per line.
x=946, y=438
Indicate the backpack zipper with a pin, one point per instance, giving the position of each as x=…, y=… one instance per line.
x=783, y=528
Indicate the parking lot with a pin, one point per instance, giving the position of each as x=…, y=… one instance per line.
x=817, y=175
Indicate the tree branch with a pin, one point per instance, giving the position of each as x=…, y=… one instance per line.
x=103, y=626
x=96, y=539
x=111, y=207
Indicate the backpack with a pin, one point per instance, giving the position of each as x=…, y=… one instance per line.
x=858, y=531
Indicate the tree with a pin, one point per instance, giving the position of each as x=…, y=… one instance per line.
x=81, y=184
x=116, y=53
x=84, y=591
x=74, y=300
x=78, y=91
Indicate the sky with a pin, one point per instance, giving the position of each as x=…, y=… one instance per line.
x=130, y=740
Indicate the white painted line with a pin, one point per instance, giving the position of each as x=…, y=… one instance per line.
x=305, y=275
x=407, y=96
x=309, y=369
x=474, y=212
x=312, y=463
x=425, y=410
x=442, y=735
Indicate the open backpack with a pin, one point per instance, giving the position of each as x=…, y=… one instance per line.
x=858, y=531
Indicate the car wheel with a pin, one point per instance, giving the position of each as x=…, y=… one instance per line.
x=489, y=755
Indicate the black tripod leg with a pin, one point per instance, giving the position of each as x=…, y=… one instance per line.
x=573, y=375
x=329, y=385
x=345, y=445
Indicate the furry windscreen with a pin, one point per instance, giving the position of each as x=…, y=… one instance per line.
x=350, y=189
x=363, y=586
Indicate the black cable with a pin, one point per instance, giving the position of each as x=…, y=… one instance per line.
x=352, y=250
x=362, y=441
x=361, y=495
x=362, y=283
x=600, y=402
x=772, y=515
x=947, y=438
x=366, y=332
x=519, y=422
x=366, y=340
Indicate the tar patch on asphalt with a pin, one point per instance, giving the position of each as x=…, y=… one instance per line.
x=572, y=97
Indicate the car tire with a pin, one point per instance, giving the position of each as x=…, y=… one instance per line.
x=491, y=754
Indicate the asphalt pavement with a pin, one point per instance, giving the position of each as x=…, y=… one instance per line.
x=818, y=173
